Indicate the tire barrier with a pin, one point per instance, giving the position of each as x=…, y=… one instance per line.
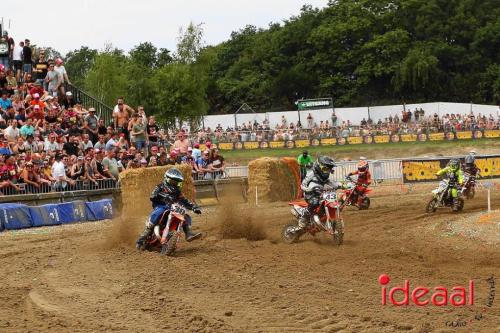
x=19, y=216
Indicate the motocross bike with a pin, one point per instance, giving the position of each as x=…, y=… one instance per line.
x=442, y=198
x=326, y=218
x=167, y=233
x=469, y=188
x=348, y=197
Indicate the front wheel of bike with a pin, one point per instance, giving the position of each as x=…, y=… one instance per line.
x=169, y=247
x=291, y=232
x=338, y=234
x=365, y=204
x=432, y=206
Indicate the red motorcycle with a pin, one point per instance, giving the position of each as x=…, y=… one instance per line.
x=353, y=190
x=326, y=218
x=469, y=188
x=167, y=233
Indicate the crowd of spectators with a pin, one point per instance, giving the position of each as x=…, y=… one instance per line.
x=50, y=142
x=408, y=122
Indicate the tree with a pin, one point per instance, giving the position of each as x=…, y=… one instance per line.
x=189, y=43
x=106, y=79
x=179, y=94
x=78, y=64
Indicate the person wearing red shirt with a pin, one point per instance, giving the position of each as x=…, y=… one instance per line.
x=9, y=174
x=364, y=179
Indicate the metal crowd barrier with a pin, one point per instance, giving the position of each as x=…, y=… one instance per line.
x=80, y=185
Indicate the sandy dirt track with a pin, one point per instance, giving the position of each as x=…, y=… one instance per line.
x=64, y=279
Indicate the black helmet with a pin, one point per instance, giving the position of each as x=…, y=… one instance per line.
x=173, y=177
x=454, y=165
x=470, y=159
x=323, y=167
x=305, y=153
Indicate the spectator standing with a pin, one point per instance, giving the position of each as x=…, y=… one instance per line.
x=27, y=60
x=90, y=125
x=59, y=173
x=152, y=131
x=4, y=50
x=310, y=121
x=218, y=163
x=139, y=133
x=182, y=143
x=110, y=165
x=52, y=81
x=17, y=59
x=196, y=151
x=63, y=75
x=41, y=69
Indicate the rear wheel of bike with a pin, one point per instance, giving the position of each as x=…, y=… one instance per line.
x=365, y=204
x=291, y=232
x=432, y=206
x=168, y=248
x=338, y=234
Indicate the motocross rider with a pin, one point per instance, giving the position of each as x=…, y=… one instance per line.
x=163, y=196
x=316, y=181
x=456, y=178
x=364, y=178
x=305, y=161
x=470, y=165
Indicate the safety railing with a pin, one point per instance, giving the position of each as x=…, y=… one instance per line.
x=103, y=111
x=79, y=185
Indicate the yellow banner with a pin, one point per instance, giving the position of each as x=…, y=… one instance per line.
x=492, y=134
x=418, y=171
x=301, y=143
x=490, y=167
x=250, y=145
x=464, y=135
x=355, y=140
x=436, y=136
x=276, y=144
x=381, y=138
x=225, y=146
x=408, y=138
x=328, y=141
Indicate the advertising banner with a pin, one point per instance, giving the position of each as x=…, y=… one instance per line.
x=381, y=138
x=328, y=142
x=355, y=140
x=251, y=145
x=424, y=170
x=226, y=146
x=464, y=135
x=302, y=143
x=408, y=138
x=492, y=134
x=436, y=136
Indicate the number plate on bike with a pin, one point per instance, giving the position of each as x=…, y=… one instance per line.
x=330, y=196
x=178, y=210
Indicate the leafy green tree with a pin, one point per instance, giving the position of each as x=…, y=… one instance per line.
x=78, y=63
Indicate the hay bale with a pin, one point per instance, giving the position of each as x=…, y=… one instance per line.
x=293, y=165
x=273, y=179
x=137, y=185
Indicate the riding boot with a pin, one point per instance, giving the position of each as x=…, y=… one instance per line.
x=190, y=236
x=148, y=230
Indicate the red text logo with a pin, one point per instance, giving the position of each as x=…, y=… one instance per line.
x=422, y=296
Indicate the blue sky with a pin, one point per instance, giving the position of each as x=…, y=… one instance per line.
x=67, y=25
